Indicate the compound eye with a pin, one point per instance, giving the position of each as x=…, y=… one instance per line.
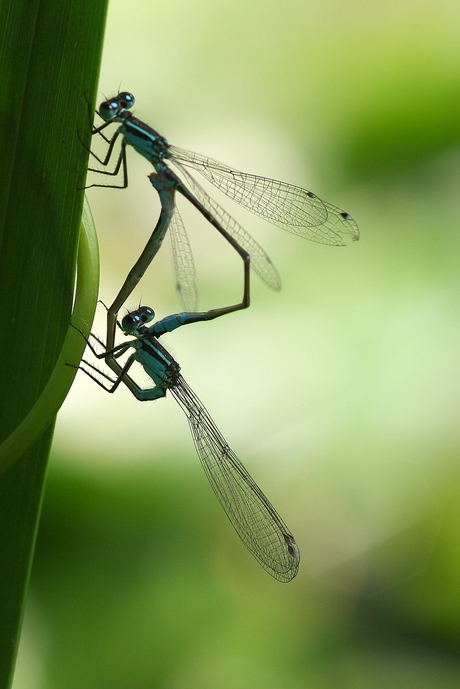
x=108, y=109
x=146, y=313
x=126, y=99
x=131, y=322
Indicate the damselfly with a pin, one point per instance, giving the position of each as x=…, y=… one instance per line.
x=292, y=208
x=254, y=518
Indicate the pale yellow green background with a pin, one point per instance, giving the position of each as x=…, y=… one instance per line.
x=341, y=394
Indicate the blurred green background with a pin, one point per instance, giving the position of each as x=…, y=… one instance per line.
x=341, y=394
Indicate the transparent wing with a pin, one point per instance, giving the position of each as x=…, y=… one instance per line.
x=184, y=266
x=292, y=208
x=260, y=261
x=255, y=520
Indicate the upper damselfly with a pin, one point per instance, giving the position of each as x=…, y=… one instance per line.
x=290, y=207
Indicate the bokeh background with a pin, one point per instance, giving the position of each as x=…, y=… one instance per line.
x=341, y=394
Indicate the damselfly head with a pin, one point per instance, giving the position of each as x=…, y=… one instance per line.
x=112, y=108
x=133, y=323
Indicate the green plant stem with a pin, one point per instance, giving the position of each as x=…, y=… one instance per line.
x=48, y=404
x=49, y=58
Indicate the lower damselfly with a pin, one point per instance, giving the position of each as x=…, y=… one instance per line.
x=254, y=518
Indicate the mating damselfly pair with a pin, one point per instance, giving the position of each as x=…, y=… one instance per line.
x=292, y=208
